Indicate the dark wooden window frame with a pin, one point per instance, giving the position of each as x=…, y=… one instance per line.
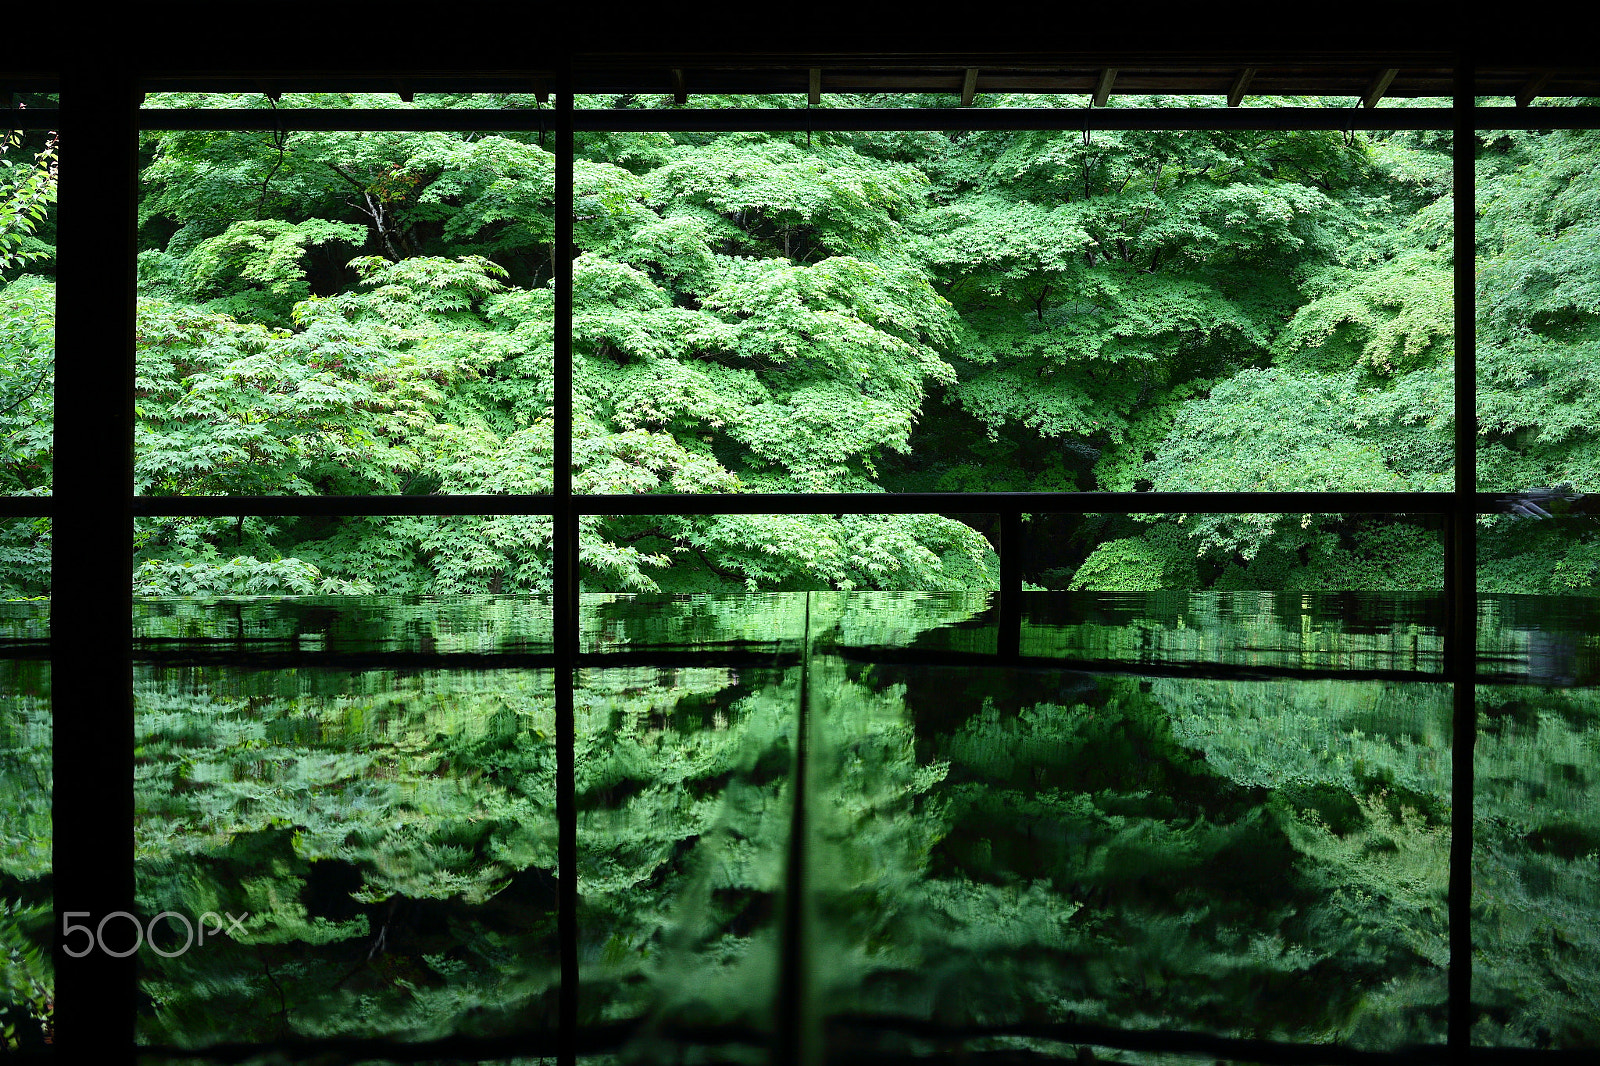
x=92, y=510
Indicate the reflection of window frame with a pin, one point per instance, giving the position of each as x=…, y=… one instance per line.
x=91, y=653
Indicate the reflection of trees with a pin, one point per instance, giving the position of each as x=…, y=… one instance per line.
x=1536, y=878
x=1260, y=858
x=1089, y=862
x=684, y=794
x=391, y=836
x=26, y=913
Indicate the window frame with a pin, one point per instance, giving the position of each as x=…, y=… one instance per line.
x=92, y=510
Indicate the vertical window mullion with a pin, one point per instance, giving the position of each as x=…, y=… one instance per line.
x=1461, y=580
x=91, y=603
x=564, y=551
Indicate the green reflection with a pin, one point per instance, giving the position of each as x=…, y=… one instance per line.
x=386, y=839
x=27, y=981
x=1536, y=868
x=348, y=624
x=774, y=622
x=984, y=843
x=1247, y=858
x=684, y=783
x=1305, y=630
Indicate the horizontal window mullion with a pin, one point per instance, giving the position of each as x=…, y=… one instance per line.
x=29, y=118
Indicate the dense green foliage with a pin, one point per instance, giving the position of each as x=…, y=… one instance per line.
x=27, y=320
x=327, y=313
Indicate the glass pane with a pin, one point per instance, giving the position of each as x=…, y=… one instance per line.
x=1535, y=878
x=1315, y=591
x=365, y=852
x=862, y=624
x=731, y=553
x=1548, y=546
x=332, y=313
x=846, y=89
x=348, y=801
x=730, y=1049
x=281, y=1058
x=24, y=562
x=738, y=623
x=1537, y=815
x=894, y=1046
x=28, y=177
x=1543, y=640
x=705, y=90
x=993, y=847
x=1233, y=553
x=1538, y=327
x=425, y=555
x=27, y=902
x=777, y=623
x=685, y=792
x=1012, y=311
x=220, y=629
x=1538, y=578
x=1555, y=92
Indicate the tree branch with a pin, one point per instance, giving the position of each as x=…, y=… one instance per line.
x=331, y=165
x=280, y=141
x=715, y=569
x=653, y=531
x=44, y=375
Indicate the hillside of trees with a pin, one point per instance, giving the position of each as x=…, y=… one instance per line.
x=326, y=313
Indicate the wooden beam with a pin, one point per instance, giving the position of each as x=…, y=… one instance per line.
x=814, y=91
x=1379, y=86
x=1535, y=86
x=969, y=86
x=1241, y=85
x=680, y=89
x=91, y=667
x=1102, y=89
x=404, y=92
